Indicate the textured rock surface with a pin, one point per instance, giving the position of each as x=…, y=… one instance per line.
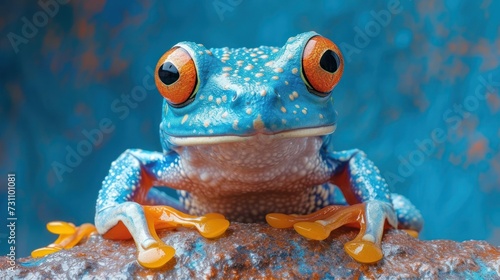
x=255, y=250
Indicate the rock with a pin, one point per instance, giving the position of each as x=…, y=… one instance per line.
x=259, y=251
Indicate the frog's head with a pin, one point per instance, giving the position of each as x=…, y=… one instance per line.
x=230, y=95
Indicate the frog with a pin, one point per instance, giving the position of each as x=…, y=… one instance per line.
x=247, y=136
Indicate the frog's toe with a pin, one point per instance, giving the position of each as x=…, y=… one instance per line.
x=42, y=252
x=214, y=216
x=365, y=248
x=364, y=251
x=369, y=217
x=212, y=228
x=412, y=233
x=153, y=253
x=58, y=227
x=155, y=256
x=312, y=230
x=278, y=220
x=69, y=236
x=319, y=224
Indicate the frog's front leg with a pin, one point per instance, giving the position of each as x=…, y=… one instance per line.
x=121, y=215
x=360, y=182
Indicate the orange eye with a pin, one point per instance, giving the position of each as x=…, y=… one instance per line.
x=322, y=65
x=176, y=77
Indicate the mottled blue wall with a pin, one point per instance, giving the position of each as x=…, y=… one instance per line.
x=420, y=95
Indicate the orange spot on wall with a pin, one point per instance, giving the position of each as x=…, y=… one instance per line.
x=458, y=69
x=394, y=113
x=425, y=6
x=439, y=154
x=421, y=102
x=493, y=102
x=118, y=64
x=442, y=31
x=16, y=93
x=490, y=180
x=495, y=164
x=81, y=108
x=477, y=150
x=482, y=47
x=51, y=41
x=93, y=6
x=55, y=65
x=470, y=124
x=487, y=51
x=485, y=4
x=84, y=29
x=130, y=20
x=461, y=47
x=455, y=159
x=89, y=61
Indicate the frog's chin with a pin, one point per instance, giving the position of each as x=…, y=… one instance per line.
x=219, y=139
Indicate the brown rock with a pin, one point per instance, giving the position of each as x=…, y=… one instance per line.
x=259, y=251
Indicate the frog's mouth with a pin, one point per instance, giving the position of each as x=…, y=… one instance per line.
x=218, y=139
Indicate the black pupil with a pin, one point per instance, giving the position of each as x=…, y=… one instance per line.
x=330, y=61
x=168, y=73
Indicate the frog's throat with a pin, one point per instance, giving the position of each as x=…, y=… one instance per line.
x=210, y=140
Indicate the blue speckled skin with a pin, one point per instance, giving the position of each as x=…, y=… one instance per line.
x=254, y=140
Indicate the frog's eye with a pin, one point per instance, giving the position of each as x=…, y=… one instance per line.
x=176, y=77
x=322, y=65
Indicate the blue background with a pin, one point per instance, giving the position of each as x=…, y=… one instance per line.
x=401, y=81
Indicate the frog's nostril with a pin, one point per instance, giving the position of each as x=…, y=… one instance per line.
x=277, y=93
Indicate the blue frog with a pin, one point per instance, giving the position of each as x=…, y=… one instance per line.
x=246, y=136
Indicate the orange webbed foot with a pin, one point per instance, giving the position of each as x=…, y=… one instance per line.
x=69, y=236
x=157, y=254
x=369, y=217
x=154, y=253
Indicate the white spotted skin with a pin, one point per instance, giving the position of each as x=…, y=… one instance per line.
x=246, y=180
